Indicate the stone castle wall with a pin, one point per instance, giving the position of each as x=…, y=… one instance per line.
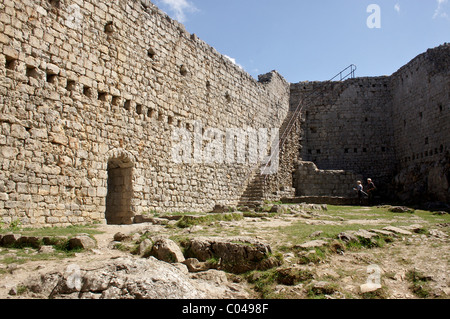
x=348, y=126
x=90, y=94
x=421, y=123
x=393, y=129
x=310, y=181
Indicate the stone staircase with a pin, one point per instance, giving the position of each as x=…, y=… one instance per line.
x=253, y=194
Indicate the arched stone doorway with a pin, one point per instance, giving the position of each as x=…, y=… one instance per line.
x=120, y=190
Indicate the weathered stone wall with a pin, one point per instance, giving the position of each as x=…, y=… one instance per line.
x=421, y=123
x=91, y=92
x=348, y=126
x=88, y=87
x=384, y=127
x=310, y=181
x=279, y=185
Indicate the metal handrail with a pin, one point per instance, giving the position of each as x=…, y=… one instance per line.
x=352, y=68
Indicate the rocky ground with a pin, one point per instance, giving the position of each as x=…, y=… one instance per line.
x=281, y=251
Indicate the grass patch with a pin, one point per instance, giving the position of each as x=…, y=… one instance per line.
x=382, y=293
x=431, y=218
x=382, y=212
x=265, y=281
x=21, y=290
x=315, y=291
x=24, y=255
x=189, y=221
x=419, y=283
x=56, y=231
x=58, y=237
x=364, y=243
x=300, y=232
x=260, y=214
x=314, y=256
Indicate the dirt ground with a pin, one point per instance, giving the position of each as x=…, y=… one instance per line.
x=425, y=254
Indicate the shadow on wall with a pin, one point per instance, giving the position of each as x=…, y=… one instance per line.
x=120, y=192
x=310, y=181
x=424, y=182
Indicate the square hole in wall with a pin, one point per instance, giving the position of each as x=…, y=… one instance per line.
x=127, y=105
x=51, y=78
x=10, y=63
x=183, y=70
x=102, y=96
x=32, y=72
x=71, y=85
x=228, y=97
x=115, y=100
x=139, y=109
x=151, y=113
x=87, y=91
x=109, y=27
x=151, y=53
x=55, y=3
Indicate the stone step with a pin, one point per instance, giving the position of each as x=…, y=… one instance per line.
x=250, y=203
x=254, y=191
x=251, y=196
x=255, y=194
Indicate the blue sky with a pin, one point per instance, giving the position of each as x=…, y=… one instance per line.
x=314, y=40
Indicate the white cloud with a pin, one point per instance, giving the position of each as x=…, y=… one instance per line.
x=179, y=8
x=233, y=61
x=440, y=10
x=397, y=7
